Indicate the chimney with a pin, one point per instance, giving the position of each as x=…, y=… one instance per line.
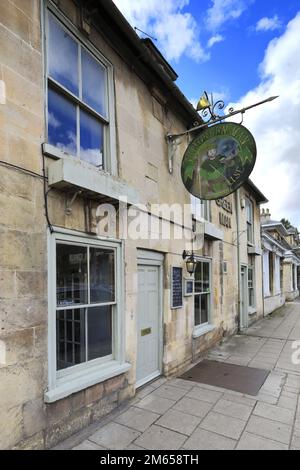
x=265, y=216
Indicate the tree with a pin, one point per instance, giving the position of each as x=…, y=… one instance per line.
x=286, y=223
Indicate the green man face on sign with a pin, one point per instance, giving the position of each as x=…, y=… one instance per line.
x=215, y=166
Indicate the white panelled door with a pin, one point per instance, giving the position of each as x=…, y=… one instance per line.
x=148, y=324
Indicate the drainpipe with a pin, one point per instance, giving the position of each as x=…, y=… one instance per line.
x=237, y=205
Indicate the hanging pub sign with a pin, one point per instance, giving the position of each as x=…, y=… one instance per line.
x=218, y=161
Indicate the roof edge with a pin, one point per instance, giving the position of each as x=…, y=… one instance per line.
x=144, y=55
x=260, y=197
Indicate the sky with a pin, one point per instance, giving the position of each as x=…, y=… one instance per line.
x=242, y=51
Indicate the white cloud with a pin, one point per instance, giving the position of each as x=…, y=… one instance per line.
x=177, y=31
x=52, y=121
x=222, y=11
x=268, y=24
x=214, y=40
x=222, y=95
x=275, y=125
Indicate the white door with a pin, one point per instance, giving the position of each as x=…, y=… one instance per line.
x=148, y=324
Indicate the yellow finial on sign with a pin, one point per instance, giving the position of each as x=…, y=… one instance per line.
x=203, y=102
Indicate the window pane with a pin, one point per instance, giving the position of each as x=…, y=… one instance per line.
x=204, y=308
x=250, y=277
x=249, y=232
x=198, y=286
x=70, y=338
x=91, y=139
x=99, y=332
x=205, y=277
x=102, y=275
x=197, y=309
x=198, y=272
x=62, y=57
x=61, y=122
x=71, y=267
x=93, y=83
x=251, y=297
x=202, y=281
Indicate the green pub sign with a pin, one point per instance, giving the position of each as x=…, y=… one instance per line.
x=218, y=161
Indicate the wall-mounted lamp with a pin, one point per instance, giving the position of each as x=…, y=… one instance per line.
x=190, y=261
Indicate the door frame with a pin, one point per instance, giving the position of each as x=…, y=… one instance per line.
x=153, y=258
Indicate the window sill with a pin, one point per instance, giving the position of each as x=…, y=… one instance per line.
x=254, y=250
x=69, y=173
x=74, y=383
x=202, y=330
x=252, y=311
x=212, y=231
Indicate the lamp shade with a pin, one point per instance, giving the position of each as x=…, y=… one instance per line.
x=191, y=265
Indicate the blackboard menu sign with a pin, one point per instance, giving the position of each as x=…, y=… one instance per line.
x=176, y=287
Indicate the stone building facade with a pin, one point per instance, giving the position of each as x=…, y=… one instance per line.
x=88, y=313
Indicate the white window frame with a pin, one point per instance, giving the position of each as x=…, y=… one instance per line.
x=75, y=378
x=250, y=223
x=204, y=328
x=277, y=288
x=251, y=308
x=200, y=209
x=109, y=131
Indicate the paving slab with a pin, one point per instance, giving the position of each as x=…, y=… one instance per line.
x=239, y=398
x=134, y=447
x=156, y=404
x=159, y=438
x=235, y=410
x=178, y=421
x=180, y=383
x=286, y=401
x=114, y=436
x=224, y=425
x=270, y=429
x=202, y=439
x=88, y=445
x=296, y=439
x=143, y=392
x=251, y=442
x=172, y=393
x=193, y=407
x=274, y=412
x=266, y=398
x=137, y=418
x=209, y=396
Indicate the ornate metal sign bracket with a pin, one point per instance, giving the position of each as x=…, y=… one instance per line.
x=208, y=110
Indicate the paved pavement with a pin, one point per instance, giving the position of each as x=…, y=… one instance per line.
x=179, y=414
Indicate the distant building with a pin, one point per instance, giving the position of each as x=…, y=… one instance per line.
x=281, y=262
